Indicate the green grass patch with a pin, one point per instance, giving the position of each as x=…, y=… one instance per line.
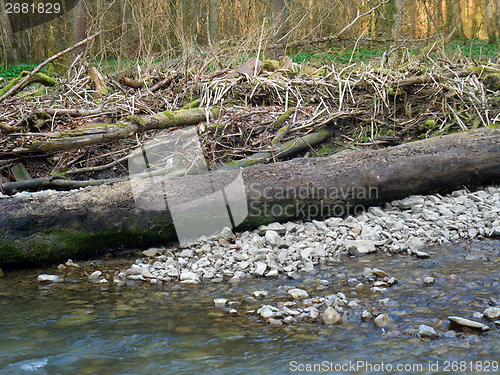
x=15, y=70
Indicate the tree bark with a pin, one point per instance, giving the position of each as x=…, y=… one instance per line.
x=73, y=225
x=79, y=25
x=212, y=21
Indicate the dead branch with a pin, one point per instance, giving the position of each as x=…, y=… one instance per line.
x=23, y=81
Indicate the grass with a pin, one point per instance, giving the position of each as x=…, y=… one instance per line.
x=478, y=50
x=15, y=70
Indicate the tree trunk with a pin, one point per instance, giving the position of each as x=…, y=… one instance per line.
x=80, y=25
x=212, y=22
x=73, y=225
x=11, y=56
x=279, y=23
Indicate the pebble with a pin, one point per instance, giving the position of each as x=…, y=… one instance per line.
x=220, y=302
x=49, y=278
x=331, y=316
x=429, y=280
x=492, y=313
x=468, y=323
x=298, y=294
x=383, y=320
x=94, y=276
x=426, y=331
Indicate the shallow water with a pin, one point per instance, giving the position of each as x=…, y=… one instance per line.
x=77, y=327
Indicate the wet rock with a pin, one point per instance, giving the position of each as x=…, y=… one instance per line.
x=331, y=316
x=429, y=280
x=60, y=267
x=293, y=275
x=426, y=331
x=383, y=320
x=452, y=279
x=468, y=323
x=94, y=276
x=49, y=278
x=275, y=322
x=379, y=272
x=421, y=254
x=147, y=274
x=366, y=315
x=259, y=294
x=450, y=334
x=233, y=312
x=392, y=281
x=298, y=294
x=220, y=302
x=265, y=312
x=492, y=313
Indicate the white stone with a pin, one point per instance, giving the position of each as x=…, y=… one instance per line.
x=150, y=252
x=298, y=294
x=95, y=275
x=188, y=275
x=355, y=247
x=272, y=273
x=220, y=302
x=260, y=268
x=331, y=316
x=134, y=270
x=492, y=312
x=265, y=312
x=49, y=278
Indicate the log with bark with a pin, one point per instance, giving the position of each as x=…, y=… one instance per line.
x=124, y=128
x=73, y=225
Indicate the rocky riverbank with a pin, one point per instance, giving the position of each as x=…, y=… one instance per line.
x=296, y=248
x=297, y=252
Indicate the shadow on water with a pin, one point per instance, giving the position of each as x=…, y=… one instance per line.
x=77, y=327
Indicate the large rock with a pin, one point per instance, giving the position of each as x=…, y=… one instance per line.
x=357, y=247
x=331, y=316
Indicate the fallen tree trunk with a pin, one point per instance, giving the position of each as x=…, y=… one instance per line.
x=73, y=225
x=122, y=129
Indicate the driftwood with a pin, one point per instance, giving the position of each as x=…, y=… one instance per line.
x=72, y=225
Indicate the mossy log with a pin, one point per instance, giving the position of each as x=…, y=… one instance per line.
x=124, y=128
x=36, y=78
x=73, y=225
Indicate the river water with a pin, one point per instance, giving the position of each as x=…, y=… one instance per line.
x=78, y=327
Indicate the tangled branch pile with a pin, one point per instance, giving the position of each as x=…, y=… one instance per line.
x=261, y=107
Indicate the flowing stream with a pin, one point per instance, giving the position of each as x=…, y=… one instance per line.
x=79, y=327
